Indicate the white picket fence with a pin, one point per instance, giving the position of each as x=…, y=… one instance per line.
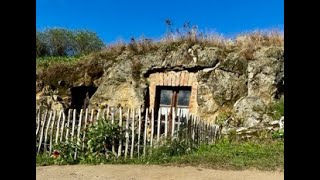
x=54, y=127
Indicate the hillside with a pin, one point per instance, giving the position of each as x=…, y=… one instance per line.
x=237, y=82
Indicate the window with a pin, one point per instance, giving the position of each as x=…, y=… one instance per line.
x=183, y=98
x=169, y=97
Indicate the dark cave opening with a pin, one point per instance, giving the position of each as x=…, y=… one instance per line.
x=280, y=89
x=80, y=96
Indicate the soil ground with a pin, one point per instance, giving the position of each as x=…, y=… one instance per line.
x=144, y=172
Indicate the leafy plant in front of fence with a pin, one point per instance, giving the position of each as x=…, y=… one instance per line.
x=171, y=147
x=66, y=151
x=101, y=136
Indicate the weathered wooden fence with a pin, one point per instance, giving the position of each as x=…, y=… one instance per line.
x=54, y=127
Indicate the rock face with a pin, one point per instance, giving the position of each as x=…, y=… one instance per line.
x=249, y=111
x=224, y=80
x=266, y=73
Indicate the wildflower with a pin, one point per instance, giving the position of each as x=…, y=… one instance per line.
x=55, y=154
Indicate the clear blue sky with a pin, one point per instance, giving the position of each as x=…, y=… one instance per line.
x=122, y=19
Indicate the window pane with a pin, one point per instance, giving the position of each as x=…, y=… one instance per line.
x=183, y=97
x=165, y=97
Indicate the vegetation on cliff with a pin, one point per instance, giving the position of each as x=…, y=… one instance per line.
x=75, y=59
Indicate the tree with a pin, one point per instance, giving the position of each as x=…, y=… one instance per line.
x=61, y=42
x=87, y=42
x=64, y=42
x=41, y=45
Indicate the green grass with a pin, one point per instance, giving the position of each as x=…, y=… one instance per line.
x=226, y=155
x=48, y=61
x=223, y=155
x=44, y=160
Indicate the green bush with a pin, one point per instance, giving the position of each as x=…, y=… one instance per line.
x=276, y=110
x=101, y=136
x=66, y=150
x=64, y=42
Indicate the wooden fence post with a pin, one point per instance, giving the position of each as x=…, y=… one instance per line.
x=158, y=127
x=51, y=130
x=42, y=130
x=68, y=124
x=145, y=133
x=139, y=132
x=127, y=135
x=120, y=126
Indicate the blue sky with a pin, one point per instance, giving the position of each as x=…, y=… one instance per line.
x=122, y=19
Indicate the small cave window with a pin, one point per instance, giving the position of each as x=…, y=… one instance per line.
x=81, y=96
x=169, y=97
x=173, y=96
x=280, y=89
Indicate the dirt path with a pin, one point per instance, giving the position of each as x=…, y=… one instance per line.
x=144, y=172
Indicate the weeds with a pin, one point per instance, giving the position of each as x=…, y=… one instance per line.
x=276, y=109
x=224, y=154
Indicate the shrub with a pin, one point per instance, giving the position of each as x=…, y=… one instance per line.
x=276, y=109
x=101, y=136
x=64, y=42
x=171, y=147
x=66, y=150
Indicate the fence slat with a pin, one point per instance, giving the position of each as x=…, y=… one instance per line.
x=46, y=134
x=104, y=114
x=38, y=121
x=166, y=124
x=112, y=122
x=210, y=134
x=216, y=130
x=139, y=132
x=112, y=115
x=132, y=135
x=193, y=124
x=179, y=119
x=42, y=129
x=62, y=125
x=58, y=126
x=91, y=116
x=158, y=128
x=73, y=123
x=200, y=130
x=51, y=130
x=127, y=135
x=213, y=133
x=78, y=134
x=188, y=119
x=173, y=122
x=120, y=125
x=152, y=127
x=85, y=127
x=108, y=112
x=145, y=133
x=68, y=124
x=98, y=115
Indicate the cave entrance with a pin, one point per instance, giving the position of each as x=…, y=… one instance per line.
x=169, y=98
x=80, y=97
